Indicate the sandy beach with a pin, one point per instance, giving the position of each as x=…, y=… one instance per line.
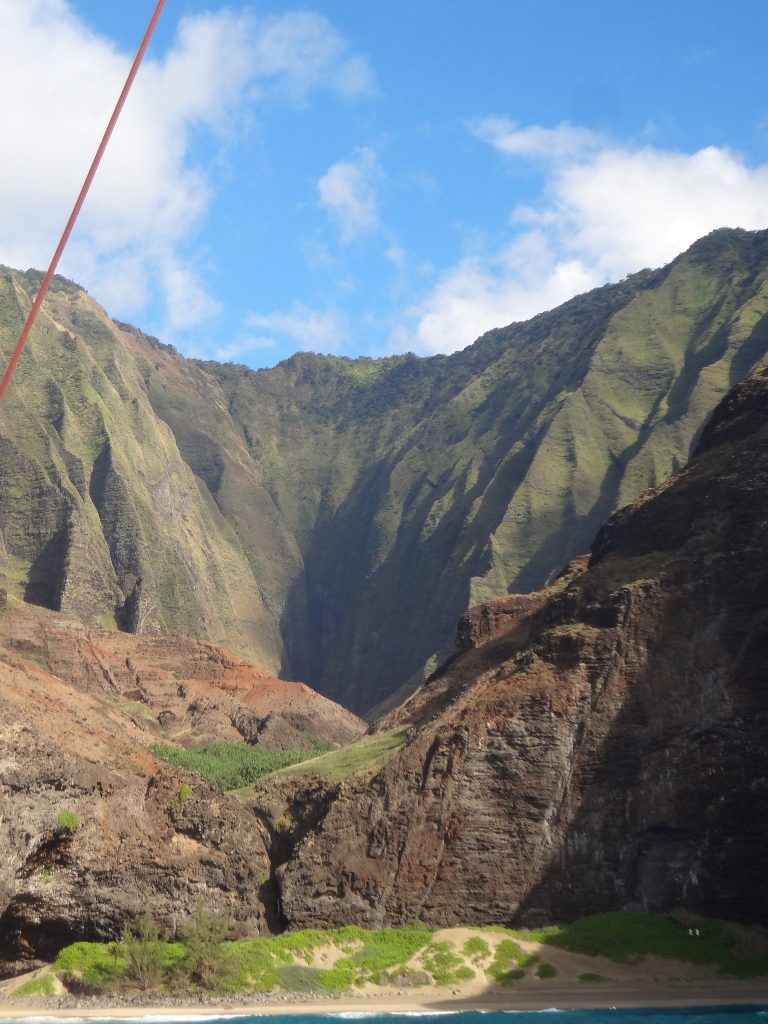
x=555, y=997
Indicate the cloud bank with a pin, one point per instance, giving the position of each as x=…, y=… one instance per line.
x=605, y=210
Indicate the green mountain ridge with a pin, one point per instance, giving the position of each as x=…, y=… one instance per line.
x=332, y=518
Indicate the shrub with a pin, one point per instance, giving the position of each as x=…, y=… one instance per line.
x=445, y=966
x=185, y=792
x=509, y=962
x=68, y=820
x=144, y=952
x=207, y=959
x=545, y=970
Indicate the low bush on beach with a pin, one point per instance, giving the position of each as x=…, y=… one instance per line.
x=545, y=970
x=445, y=965
x=509, y=962
x=477, y=949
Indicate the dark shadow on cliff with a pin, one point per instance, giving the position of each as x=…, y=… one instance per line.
x=671, y=807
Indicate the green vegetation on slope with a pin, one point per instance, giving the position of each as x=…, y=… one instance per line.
x=292, y=961
x=623, y=936
x=331, y=519
x=232, y=765
x=42, y=986
x=333, y=961
x=371, y=752
x=509, y=962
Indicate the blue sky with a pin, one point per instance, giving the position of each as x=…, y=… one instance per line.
x=365, y=178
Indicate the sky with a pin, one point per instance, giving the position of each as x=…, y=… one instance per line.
x=368, y=178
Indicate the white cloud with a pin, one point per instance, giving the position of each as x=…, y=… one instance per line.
x=308, y=329
x=534, y=141
x=302, y=51
x=348, y=191
x=136, y=234
x=605, y=211
x=237, y=350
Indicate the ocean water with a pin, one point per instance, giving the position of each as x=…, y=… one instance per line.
x=695, y=1015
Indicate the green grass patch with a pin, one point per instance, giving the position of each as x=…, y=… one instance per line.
x=379, y=951
x=477, y=949
x=615, y=573
x=509, y=962
x=137, y=709
x=230, y=765
x=445, y=965
x=97, y=963
x=368, y=753
x=300, y=979
x=625, y=936
x=68, y=820
x=590, y=976
x=36, y=987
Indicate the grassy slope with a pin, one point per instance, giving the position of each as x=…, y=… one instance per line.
x=367, y=754
x=340, y=515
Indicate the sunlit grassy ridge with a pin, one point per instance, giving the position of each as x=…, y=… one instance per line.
x=367, y=753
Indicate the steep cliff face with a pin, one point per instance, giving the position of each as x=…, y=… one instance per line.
x=100, y=516
x=94, y=830
x=599, y=745
x=137, y=843
x=332, y=518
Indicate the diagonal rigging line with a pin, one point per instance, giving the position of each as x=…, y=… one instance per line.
x=80, y=200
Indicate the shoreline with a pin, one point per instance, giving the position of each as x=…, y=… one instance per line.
x=616, y=998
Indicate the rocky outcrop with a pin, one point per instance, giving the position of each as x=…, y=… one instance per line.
x=175, y=688
x=95, y=831
x=600, y=745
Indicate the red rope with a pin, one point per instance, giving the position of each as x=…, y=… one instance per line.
x=80, y=200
